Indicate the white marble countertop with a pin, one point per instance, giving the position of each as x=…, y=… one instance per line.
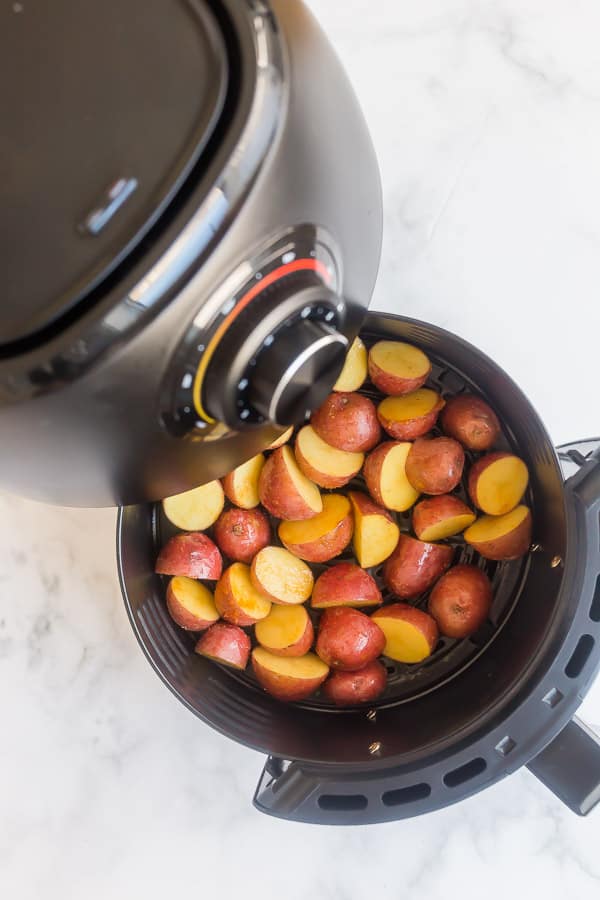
x=486, y=118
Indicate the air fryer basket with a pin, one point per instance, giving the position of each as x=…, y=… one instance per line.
x=476, y=709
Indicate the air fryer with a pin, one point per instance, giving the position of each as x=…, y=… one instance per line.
x=191, y=221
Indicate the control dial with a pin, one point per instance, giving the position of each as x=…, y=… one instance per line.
x=280, y=358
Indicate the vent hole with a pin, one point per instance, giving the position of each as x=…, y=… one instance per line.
x=552, y=698
x=505, y=746
x=465, y=773
x=595, y=607
x=406, y=795
x=580, y=656
x=342, y=802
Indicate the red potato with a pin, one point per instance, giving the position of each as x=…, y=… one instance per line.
x=411, y=635
x=409, y=417
x=348, y=639
x=354, y=373
x=197, y=509
x=226, y=644
x=497, y=483
x=440, y=517
x=323, y=537
x=352, y=688
x=345, y=584
x=326, y=466
x=282, y=439
x=415, y=566
x=192, y=554
x=287, y=631
x=281, y=576
x=397, y=368
x=284, y=491
x=191, y=605
x=236, y=598
x=375, y=532
x=347, y=421
x=460, y=601
x=288, y=677
x=241, y=485
x=435, y=465
x=501, y=537
x=471, y=421
x=241, y=533
x=385, y=475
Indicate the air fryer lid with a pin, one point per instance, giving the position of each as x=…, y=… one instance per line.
x=94, y=97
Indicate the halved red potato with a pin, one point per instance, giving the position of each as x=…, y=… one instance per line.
x=348, y=639
x=288, y=677
x=190, y=603
x=497, y=482
x=324, y=536
x=226, y=644
x=325, y=465
x=281, y=576
x=284, y=491
x=282, y=439
x=375, y=532
x=435, y=465
x=471, y=421
x=436, y=518
x=241, y=485
x=351, y=688
x=197, y=509
x=415, y=565
x=385, y=475
x=345, y=584
x=397, y=368
x=241, y=533
x=237, y=599
x=354, y=373
x=192, y=554
x=411, y=416
x=287, y=631
x=347, y=421
x=460, y=601
x=411, y=635
x=501, y=537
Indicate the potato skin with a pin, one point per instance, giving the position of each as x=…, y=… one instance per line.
x=435, y=510
x=182, y=616
x=471, y=421
x=226, y=643
x=435, y=465
x=348, y=421
x=348, y=639
x=241, y=533
x=362, y=686
x=410, y=429
x=327, y=546
x=461, y=600
x=512, y=545
x=284, y=687
x=192, y=554
x=343, y=584
x=421, y=620
x=415, y=566
x=277, y=491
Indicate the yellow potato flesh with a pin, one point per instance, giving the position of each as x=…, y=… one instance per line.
x=307, y=666
x=396, y=491
x=501, y=485
x=324, y=458
x=354, y=372
x=307, y=489
x=403, y=642
x=375, y=538
x=282, y=439
x=195, y=597
x=247, y=597
x=490, y=528
x=450, y=526
x=283, y=627
x=410, y=406
x=282, y=575
x=335, y=508
x=197, y=509
x=245, y=482
x=402, y=360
